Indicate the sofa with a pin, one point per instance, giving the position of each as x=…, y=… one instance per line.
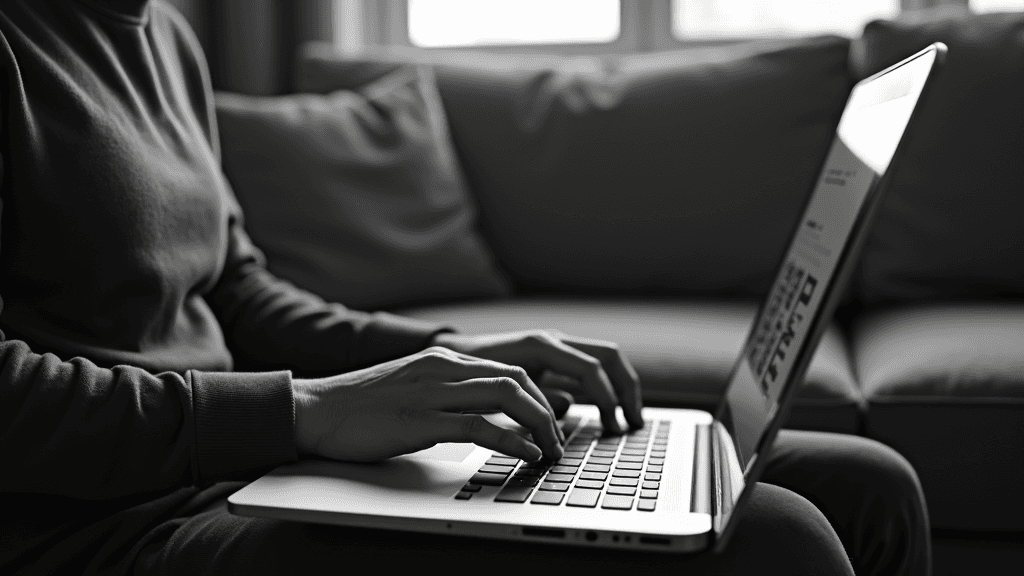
x=646, y=199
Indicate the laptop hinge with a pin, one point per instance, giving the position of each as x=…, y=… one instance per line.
x=703, y=475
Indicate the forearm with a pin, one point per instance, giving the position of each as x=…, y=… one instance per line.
x=74, y=429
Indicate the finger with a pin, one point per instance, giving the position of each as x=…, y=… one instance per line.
x=572, y=362
x=447, y=365
x=621, y=373
x=560, y=400
x=504, y=394
x=448, y=427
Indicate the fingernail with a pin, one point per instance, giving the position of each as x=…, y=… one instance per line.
x=534, y=452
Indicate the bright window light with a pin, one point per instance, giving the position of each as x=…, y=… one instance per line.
x=980, y=6
x=437, y=23
x=732, y=18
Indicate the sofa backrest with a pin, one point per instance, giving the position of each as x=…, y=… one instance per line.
x=677, y=173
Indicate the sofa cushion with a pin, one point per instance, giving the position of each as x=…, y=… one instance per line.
x=945, y=386
x=950, y=226
x=675, y=173
x=683, y=351
x=356, y=195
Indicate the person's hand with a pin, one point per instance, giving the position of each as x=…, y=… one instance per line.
x=600, y=367
x=415, y=402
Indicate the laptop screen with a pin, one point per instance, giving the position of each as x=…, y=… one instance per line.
x=869, y=132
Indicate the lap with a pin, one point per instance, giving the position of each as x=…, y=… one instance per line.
x=816, y=485
x=781, y=531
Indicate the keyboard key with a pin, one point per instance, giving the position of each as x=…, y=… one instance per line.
x=633, y=452
x=583, y=498
x=471, y=488
x=626, y=473
x=565, y=470
x=624, y=482
x=648, y=493
x=496, y=469
x=566, y=453
x=616, y=502
x=628, y=458
x=554, y=486
x=621, y=490
x=595, y=484
x=600, y=460
x=654, y=468
x=523, y=481
x=657, y=453
x=559, y=477
x=656, y=461
x=513, y=494
x=485, y=479
x=463, y=495
x=551, y=498
x=500, y=461
x=651, y=485
x=602, y=454
x=597, y=468
x=594, y=476
x=646, y=505
x=538, y=465
x=530, y=472
x=570, y=462
x=629, y=466
x=652, y=476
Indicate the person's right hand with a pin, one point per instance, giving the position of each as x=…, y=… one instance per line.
x=415, y=402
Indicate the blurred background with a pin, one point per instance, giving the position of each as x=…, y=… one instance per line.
x=251, y=44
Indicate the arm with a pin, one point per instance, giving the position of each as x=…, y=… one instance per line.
x=74, y=429
x=270, y=324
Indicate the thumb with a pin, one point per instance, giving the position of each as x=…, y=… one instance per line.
x=560, y=400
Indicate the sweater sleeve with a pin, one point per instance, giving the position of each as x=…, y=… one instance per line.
x=75, y=429
x=269, y=324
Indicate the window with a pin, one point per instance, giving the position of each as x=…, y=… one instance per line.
x=442, y=23
x=707, y=19
x=996, y=5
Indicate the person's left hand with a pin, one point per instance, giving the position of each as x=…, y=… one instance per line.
x=600, y=366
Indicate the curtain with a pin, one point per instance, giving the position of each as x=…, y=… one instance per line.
x=251, y=44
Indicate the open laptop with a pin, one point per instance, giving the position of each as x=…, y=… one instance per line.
x=680, y=483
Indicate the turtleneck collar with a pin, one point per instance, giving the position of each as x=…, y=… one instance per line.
x=131, y=10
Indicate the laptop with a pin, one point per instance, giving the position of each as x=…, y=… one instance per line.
x=680, y=483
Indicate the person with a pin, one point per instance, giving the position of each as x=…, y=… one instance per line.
x=150, y=365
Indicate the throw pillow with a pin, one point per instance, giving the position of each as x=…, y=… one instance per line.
x=951, y=225
x=356, y=195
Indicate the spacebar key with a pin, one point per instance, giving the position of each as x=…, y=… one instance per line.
x=583, y=497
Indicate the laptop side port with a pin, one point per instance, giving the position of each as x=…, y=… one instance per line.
x=543, y=532
x=656, y=540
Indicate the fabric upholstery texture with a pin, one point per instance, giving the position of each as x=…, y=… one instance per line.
x=676, y=173
x=950, y=226
x=945, y=386
x=683, y=351
x=357, y=195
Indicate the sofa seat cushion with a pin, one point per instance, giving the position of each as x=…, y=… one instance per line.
x=683, y=351
x=944, y=385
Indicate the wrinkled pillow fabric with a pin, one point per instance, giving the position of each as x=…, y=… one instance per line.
x=356, y=195
x=952, y=224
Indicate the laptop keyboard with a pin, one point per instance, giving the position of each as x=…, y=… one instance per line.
x=615, y=472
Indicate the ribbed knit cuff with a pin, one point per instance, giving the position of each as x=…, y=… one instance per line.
x=245, y=423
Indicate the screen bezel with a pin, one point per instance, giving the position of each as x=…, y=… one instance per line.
x=845, y=267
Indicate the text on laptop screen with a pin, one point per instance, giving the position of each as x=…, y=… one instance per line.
x=870, y=129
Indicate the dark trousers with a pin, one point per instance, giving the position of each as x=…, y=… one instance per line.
x=829, y=504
